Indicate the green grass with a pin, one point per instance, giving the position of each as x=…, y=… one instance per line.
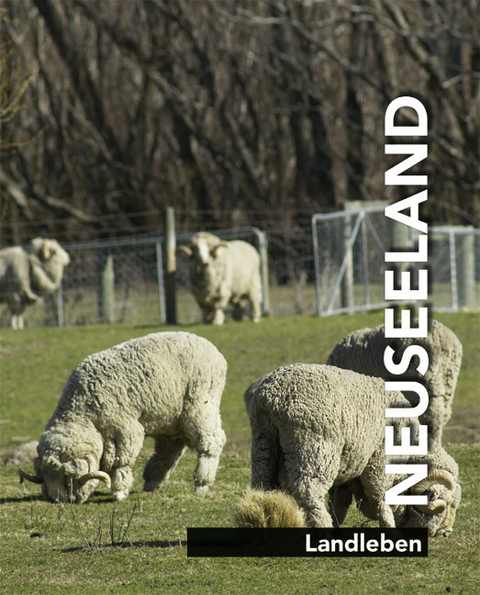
x=137, y=546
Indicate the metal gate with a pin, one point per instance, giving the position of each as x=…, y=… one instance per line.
x=349, y=249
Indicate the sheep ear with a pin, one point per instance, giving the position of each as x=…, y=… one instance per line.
x=215, y=249
x=185, y=251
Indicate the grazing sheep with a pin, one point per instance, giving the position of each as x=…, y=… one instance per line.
x=25, y=453
x=164, y=385
x=27, y=274
x=222, y=274
x=318, y=429
x=362, y=351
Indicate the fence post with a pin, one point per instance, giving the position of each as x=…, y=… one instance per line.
x=107, y=291
x=466, y=270
x=347, y=281
x=171, y=266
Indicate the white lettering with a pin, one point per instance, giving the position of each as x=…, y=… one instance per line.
x=405, y=329
x=410, y=352
x=417, y=472
x=420, y=256
x=394, y=177
x=406, y=447
x=405, y=292
x=419, y=129
x=394, y=210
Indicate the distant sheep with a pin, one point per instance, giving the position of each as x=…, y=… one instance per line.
x=222, y=274
x=319, y=430
x=164, y=385
x=25, y=453
x=362, y=351
x=27, y=274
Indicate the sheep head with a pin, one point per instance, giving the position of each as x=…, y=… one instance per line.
x=202, y=248
x=438, y=515
x=47, y=250
x=67, y=477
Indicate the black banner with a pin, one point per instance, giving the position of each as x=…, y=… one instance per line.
x=368, y=542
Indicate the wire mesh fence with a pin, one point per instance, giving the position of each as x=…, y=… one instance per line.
x=339, y=269
x=349, y=254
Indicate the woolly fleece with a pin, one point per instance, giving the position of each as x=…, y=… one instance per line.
x=362, y=351
x=317, y=427
x=223, y=274
x=164, y=385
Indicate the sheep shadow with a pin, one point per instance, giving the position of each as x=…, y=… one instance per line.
x=129, y=545
x=22, y=499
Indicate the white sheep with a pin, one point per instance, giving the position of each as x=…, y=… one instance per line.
x=25, y=453
x=363, y=350
x=319, y=430
x=222, y=274
x=27, y=274
x=164, y=385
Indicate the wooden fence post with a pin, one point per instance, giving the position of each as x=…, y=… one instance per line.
x=107, y=291
x=171, y=266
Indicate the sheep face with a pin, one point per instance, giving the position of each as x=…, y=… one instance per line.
x=49, y=250
x=67, y=477
x=438, y=516
x=203, y=252
x=63, y=482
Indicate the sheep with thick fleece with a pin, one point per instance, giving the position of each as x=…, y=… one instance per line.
x=319, y=430
x=222, y=274
x=363, y=351
x=164, y=385
x=27, y=274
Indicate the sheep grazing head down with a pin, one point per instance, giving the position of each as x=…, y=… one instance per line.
x=438, y=515
x=67, y=477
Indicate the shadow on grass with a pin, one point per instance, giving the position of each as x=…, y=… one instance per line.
x=129, y=545
x=18, y=500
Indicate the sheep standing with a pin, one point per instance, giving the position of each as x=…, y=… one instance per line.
x=318, y=429
x=362, y=351
x=27, y=274
x=164, y=385
x=222, y=274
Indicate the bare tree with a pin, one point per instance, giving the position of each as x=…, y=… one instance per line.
x=230, y=111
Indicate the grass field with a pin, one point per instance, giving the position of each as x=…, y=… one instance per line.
x=138, y=545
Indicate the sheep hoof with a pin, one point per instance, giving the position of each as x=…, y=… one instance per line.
x=202, y=490
x=151, y=486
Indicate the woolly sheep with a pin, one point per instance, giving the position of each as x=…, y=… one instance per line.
x=164, y=385
x=27, y=274
x=362, y=351
x=222, y=274
x=318, y=429
x=25, y=453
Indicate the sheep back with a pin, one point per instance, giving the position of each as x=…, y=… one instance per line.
x=157, y=380
x=325, y=421
x=362, y=351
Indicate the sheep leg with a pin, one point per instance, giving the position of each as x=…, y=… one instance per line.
x=209, y=447
x=237, y=311
x=162, y=463
x=374, y=485
x=311, y=467
x=256, y=305
x=265, y=456
x=122, y=480
x=339, y=500
x=127, y=446
x=219, y=317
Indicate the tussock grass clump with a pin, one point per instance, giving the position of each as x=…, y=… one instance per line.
x=268, y=510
